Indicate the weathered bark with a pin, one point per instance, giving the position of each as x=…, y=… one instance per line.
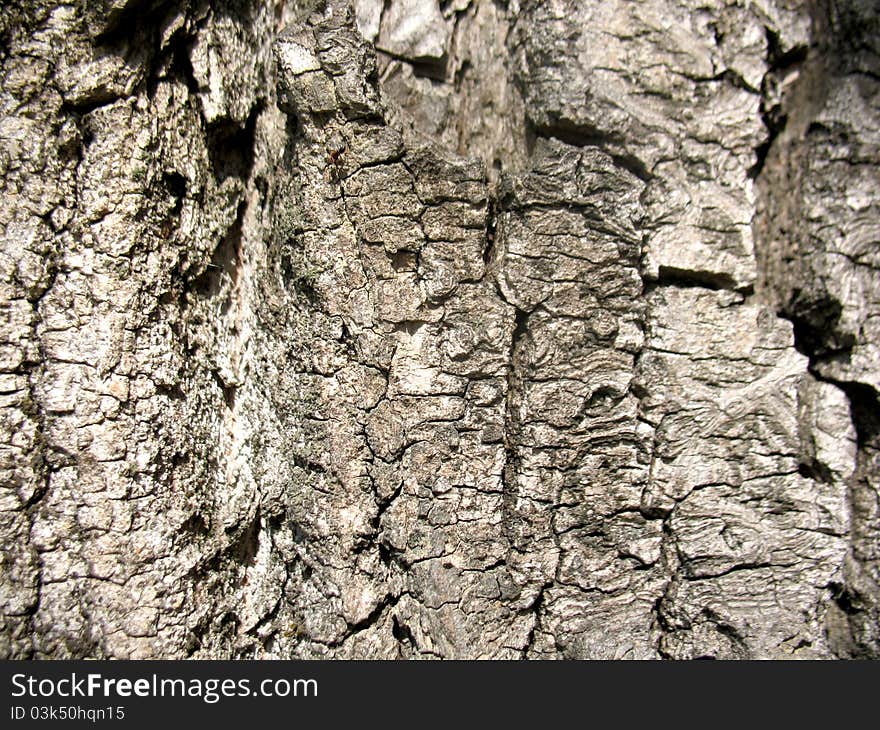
x=462, y=329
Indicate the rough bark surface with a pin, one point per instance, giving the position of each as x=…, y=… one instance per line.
x=462, y=329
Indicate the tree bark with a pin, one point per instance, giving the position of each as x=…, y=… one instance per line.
x=463, y=329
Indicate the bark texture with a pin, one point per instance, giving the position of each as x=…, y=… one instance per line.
x=462, y=329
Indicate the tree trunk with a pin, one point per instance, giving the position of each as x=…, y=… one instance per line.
x=463, y=329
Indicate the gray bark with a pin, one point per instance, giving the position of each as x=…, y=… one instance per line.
x=461, y=329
